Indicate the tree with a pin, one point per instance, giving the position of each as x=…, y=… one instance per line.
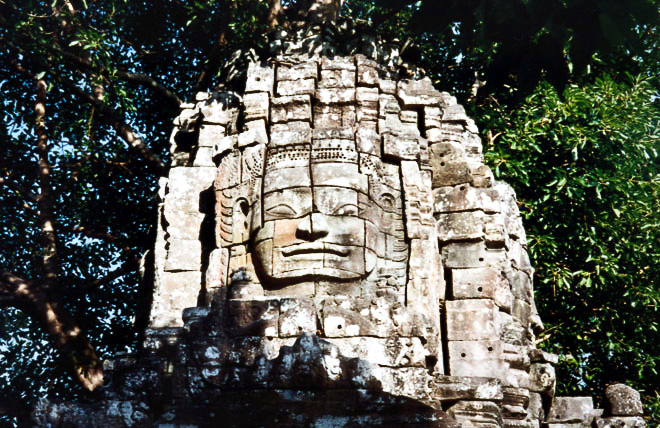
x=585, y=167
x=90, y=90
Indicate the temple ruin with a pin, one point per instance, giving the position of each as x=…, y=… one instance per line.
x=332, y=251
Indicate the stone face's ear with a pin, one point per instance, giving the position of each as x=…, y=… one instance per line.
x=241, y=219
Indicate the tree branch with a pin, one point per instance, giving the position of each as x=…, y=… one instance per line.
x=111, y=117
x=130, y=266
x=138, y=78
x=45, y=199
x=34, y=299
x=25, y=193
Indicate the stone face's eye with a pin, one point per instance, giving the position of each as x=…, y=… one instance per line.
x=346, y=209
x=282, y=210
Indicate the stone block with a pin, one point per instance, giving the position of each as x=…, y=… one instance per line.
x=292, y=108
x=184, y=254
x=571, y=410
x=535, y=409
x=481, y=283
x=328, y=116
x=482, y=176
x=338, y=63
x=297, y=316
x=474, y=319
x=620, y=422
x=450, y=388
x=622, y=400
x=537, y=355
x=368, y=141
x=495, y=233
x=408, y=116
x=259, y=78
x=338, y=321
x=418, y=93
x=183, y=224
x=335, y=95
x=432, y=117
x=542, y=378
x=455, y=113
x=253, y=317
x=188, y=182
x=296, y=87
x=367, y=96
x=440, y=153
x=451, y=173
x=256, y=135
x=521, y=311
x=390, y=352
x=404, y=148
x=216, y=273
x=307, y=70
x=388, y=105
x=204, y=157
x=521, y=286
x=284, y=134
x=209, y=134
x=473, y=255
x=515, y=403
x=367, y=73
x=482, y=414
x=337, y=79
x=367, y=113
x=218, y=113
x=466, y=198
x=460, y=226
x=256, y=105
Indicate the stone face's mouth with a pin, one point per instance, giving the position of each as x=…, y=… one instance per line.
x=315, y=248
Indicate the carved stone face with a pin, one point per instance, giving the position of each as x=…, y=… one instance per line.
x=319, y=220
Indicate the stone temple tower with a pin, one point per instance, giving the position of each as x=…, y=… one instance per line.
x=333, y=252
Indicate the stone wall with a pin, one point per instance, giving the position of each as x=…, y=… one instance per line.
x=333, y=251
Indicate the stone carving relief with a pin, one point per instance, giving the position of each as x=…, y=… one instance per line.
x=332, y=232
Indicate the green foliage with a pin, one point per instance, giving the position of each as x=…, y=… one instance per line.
x=585, y=166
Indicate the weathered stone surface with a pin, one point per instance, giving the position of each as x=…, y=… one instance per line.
x=291, y=108
x=449, y=388
x=484, y=414
x=481, y=283
x=571, y=410
x=184, y=254
x=542, y=378
x=466, y=198
x=622, y=400
x=307, y=70
x=418, y=93
x=473, y=319
x=256, y=106
x=297, y=316
x=260, y=78
x=473, y=255
x=296, y=87
x=620, y=422
x=335, y=95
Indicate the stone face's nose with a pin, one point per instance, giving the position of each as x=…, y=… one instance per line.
x=312, y=227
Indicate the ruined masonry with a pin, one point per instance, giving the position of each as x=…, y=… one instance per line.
x=333, y=252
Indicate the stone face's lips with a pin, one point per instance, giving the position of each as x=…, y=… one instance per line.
x=313, y=248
